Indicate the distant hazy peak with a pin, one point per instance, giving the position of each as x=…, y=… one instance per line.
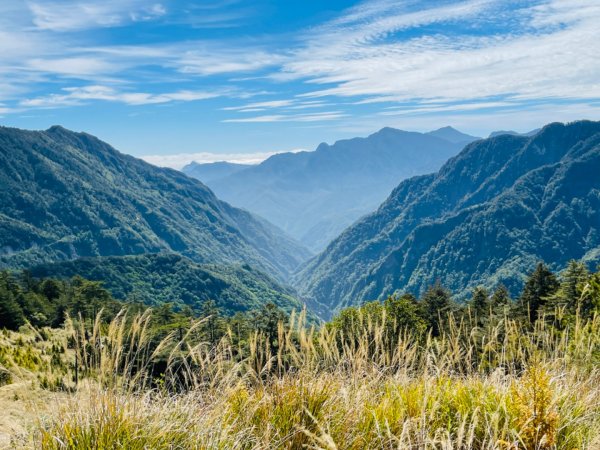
x=207, y=172
x=453, y=135
x=514, y=133
x=215, y=164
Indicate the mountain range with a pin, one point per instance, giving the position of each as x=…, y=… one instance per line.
x=67, y=195
x=486, y=217
x=314, y=195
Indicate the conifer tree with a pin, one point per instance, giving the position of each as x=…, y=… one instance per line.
x=540, y=285
x=437, y=303
x=480, y=305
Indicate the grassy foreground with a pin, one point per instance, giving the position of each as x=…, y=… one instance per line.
x=503, y=386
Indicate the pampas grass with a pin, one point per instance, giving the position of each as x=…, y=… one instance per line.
x=502, y=387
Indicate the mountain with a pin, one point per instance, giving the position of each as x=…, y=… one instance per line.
x=313, y=196
x=514, y=133
x=453, y=135
x=486, y=217
x=207, y=172
x=158, y=278
x=67, y=195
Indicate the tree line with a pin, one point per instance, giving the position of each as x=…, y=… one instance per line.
x=557, y=299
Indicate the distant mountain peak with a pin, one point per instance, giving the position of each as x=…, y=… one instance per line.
x=515, y=133
x=55, y=128
x=451, y=134
x=207, y=172
x=315, y=195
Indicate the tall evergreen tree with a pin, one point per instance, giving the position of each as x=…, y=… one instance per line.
x=11, y=314
x=436, y=303
x=540, y=285
x=480, y=305
x=500, y=297
x=572, y=282
x=267, y=321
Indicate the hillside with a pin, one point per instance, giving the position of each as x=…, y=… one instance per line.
x=67, y=195
x=313, y=196
x=159, y=278
x=486, y=217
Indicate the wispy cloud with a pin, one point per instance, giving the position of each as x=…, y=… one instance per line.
x=314, y=117
x=426, y=58
x=79, y=95
x=257, y=106
x=366, y=52
x=61, y=15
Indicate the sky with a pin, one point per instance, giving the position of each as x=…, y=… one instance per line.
x=179, y=80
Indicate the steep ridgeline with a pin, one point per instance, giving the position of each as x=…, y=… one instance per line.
x=486, y=217
x=158, y=278
x=208, y=172
x=315, y=195
x=67, y=195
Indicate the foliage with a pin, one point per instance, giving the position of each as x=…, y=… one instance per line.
x=383, y=375
x=484, y=219
x=67, y=195
x=155, y=279
x=321, y=391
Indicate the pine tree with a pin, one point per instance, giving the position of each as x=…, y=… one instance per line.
x=436, y=303
x=500, y=301
x=11, y=314
x=540, y=286
x=569, y=294
x=480, y=305
x=267, y=321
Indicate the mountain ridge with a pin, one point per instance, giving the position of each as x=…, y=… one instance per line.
x=484, y=195
x=314, y=195
x=68, y=194
x=207, y=172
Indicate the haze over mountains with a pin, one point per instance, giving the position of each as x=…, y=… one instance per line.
x=486, y=217
x=67, y=195
x=209, y=172
x=314, y=195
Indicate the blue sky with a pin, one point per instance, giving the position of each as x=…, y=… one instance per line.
x=178, y=80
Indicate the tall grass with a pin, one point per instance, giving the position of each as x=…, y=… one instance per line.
x=499, y=387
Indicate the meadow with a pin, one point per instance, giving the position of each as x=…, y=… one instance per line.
x=503, y=387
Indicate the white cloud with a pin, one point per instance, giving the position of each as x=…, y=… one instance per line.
x=209, y=59
x=78, y=95
x=62, y=15
x=258, y=106
x=361, y=55
x=482, y=52
x=430, y=108
x=315, y=117
x=177, y=161
x=77, y=66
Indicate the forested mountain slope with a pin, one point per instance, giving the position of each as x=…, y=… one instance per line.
x=66, y=195
x=315, y=195
x=168, y=278
x=486, y=217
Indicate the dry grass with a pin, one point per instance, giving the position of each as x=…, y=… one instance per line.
x=500, y=388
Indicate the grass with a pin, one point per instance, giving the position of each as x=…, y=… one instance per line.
x=501, y=388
